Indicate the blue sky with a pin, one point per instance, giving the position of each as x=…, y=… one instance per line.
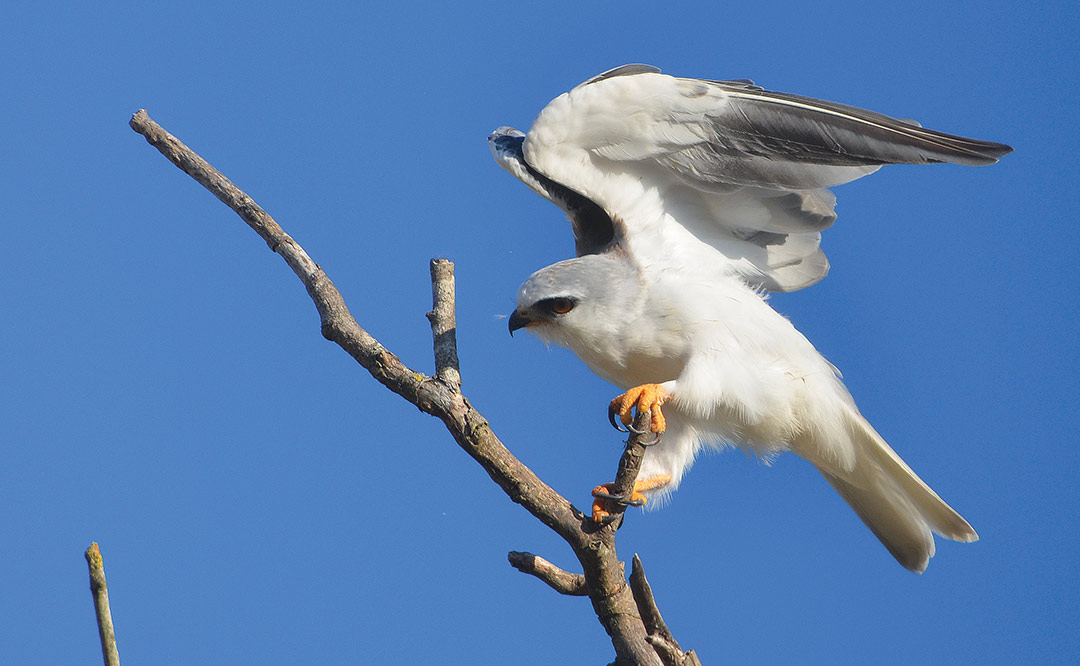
x=259, y=499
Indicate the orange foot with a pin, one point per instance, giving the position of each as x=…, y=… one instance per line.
x=604, y=502
x=647, y=397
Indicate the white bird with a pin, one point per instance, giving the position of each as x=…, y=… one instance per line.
x=689, y=200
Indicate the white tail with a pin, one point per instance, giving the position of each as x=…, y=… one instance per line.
x=897, y=506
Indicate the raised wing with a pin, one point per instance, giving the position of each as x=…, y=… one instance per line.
x=740, y=167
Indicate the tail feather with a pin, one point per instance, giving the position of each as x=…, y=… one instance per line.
x=897, y=506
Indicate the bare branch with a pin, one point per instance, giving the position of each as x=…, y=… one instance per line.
x=443, y=323
x=603, y=577
x=643, y=596
x=100, y=591
x=671, y=655
x=659, y=635
x=560, y=580
x=469, y=428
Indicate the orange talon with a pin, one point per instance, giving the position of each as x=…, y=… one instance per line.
x=603, y=499
x=647, y=397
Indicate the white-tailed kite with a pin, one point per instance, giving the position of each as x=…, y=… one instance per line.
x=689, y=199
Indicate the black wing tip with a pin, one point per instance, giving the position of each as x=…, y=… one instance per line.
x=995, y=151
x=973, y=152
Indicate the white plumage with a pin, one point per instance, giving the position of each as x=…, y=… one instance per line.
x=688, y=200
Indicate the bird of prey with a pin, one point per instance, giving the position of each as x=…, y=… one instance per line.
x=690, y=200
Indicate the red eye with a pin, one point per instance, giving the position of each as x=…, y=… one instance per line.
x=562, y=305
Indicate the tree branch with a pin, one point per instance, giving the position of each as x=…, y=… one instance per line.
x=659, y=635
x=603, y=578
x=100, y=592
x=560, y=580
x=443, y=323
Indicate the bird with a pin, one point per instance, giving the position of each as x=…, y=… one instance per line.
x=690, y=200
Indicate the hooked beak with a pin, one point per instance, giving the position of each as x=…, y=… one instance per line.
x=518, y=320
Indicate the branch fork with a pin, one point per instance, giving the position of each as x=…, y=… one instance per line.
x=627, y=612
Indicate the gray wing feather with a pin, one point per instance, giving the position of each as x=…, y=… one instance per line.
x=624, y=70
x=764, y=138
x=822, y=132
x=786, y=149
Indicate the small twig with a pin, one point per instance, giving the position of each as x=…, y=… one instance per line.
x=195, y=166
x=659, y=635
x=100, y=592
x=444, y=323
x=671, y=655
x=560, y=580
x=646, y=603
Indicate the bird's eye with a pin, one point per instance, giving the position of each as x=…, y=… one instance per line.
x=561, y=305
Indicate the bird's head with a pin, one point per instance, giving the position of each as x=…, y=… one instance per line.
x=579, y=303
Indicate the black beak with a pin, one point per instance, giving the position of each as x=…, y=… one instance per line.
x=517, y=320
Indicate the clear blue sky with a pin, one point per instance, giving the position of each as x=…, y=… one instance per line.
x=260, y=500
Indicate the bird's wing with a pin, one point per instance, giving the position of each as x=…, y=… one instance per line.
x=738, y=164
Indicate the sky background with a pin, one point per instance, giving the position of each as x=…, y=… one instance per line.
x=165, y=391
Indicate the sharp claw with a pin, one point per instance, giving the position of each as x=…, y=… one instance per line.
x=614, y=423
x=657, y=436
x=620, y=499
x=607, y=519
x=644, y=398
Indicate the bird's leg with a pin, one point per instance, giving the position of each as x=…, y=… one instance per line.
x=647, y=397
x=603, y=499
